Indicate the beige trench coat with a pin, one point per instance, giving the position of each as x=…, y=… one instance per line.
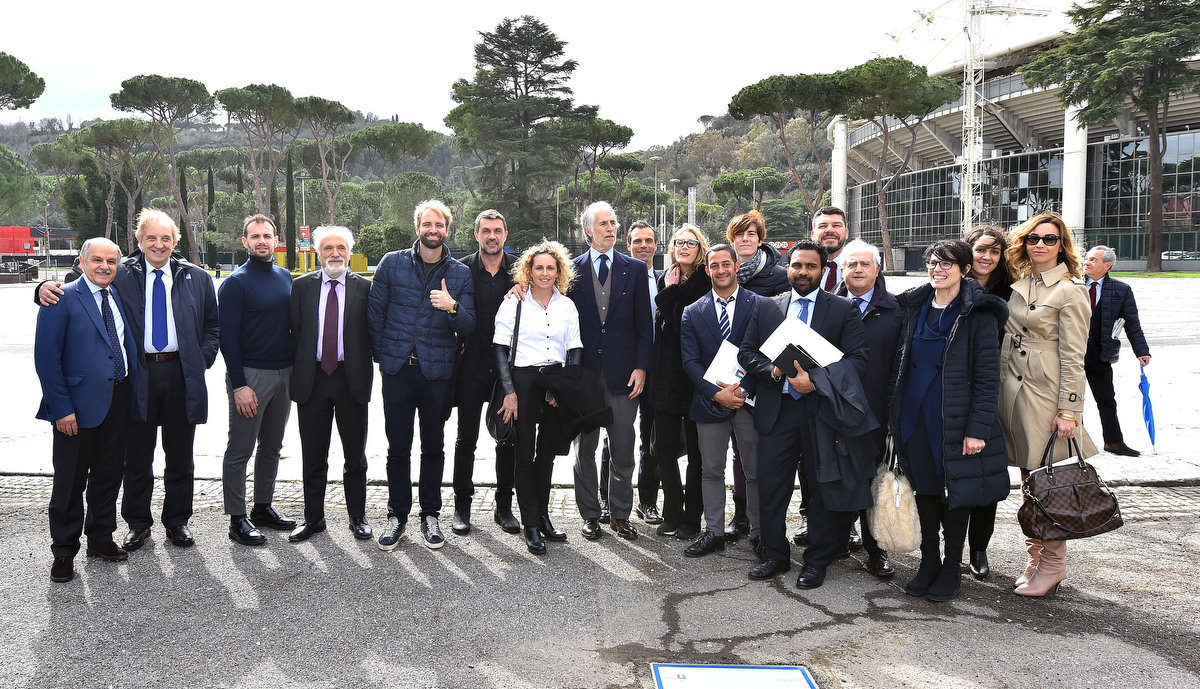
x=1041, y=365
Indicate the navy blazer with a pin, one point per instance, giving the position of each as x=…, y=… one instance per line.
x=700, y=338
x=74, y=359
x=623, y=343
x=1116, y=301
x=836, y=319
x=881, y=324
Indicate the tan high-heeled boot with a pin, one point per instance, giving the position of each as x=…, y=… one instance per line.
x=1051, y=569
x=1033, y=549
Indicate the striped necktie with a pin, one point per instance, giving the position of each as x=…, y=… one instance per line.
x=723, y=320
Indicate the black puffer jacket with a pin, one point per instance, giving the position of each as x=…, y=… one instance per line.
x=771, y=277
x=671, y=390
x=970, y=392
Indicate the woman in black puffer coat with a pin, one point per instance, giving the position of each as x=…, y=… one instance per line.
x=945, y=389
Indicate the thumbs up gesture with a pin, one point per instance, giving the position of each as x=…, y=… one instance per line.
x=441, y=298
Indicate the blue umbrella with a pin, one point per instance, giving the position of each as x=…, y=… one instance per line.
x=1147, y=407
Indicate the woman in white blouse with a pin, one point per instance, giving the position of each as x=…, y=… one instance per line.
x=547, y=341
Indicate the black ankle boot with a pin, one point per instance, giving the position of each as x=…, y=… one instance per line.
x=948, y=582
x=931, y=565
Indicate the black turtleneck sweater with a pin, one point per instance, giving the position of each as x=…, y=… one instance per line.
x=253, y=306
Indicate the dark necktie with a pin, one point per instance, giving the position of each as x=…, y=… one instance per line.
x=858, y=302
x=1092, y=294
x=158, y=309
x=830, y=276
x=110, y=324
x=723, y=321
x=602, y=273
x=329, y=338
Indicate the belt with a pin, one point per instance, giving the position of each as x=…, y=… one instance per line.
x=162, y=356
x=544, y=368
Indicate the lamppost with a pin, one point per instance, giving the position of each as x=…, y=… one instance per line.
x=674, y=204
x=303, y=177
x=46, y=233
x=657, y=229
x=557, y=236
x=753, y=185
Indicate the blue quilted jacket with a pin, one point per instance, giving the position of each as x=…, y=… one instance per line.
x=401, y=318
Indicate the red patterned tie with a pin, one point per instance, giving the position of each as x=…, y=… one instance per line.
x=329, y=338
x=831, y=276
x=1092, y=292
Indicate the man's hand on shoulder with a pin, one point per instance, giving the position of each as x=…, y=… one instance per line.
x=48, y=295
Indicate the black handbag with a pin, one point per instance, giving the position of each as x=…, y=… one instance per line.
x=1067, y=501
x=504, y=433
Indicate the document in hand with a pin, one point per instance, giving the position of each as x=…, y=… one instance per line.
x=725, y=369
x=792, y=341
x=1117, y=325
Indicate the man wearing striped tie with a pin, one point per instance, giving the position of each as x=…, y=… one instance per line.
x=720, y=410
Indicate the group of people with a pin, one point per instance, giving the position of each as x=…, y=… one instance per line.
x=970, y=373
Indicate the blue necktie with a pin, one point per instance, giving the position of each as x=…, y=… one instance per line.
x=110, y=324
x=158, y=309
x=723, y=321
x=602, y=273
x=858, y=302
x=802, y=314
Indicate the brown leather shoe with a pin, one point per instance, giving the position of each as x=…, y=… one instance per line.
x=136, y=538
x=624, y=529
x=63, y=570
x=109, y=552
x=591, y=529
x=1121, y=449
x=878, y=564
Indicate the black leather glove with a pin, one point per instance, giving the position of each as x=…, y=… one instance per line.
x=502, y=370
x=574, y=356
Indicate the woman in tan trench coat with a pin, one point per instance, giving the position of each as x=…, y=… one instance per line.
x=1041, y=368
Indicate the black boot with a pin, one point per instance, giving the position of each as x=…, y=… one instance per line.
x=949, y=580
x=929, y=511
x=740, y=524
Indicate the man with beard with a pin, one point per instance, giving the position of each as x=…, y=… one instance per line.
x=256, y=344
x=829, y=230
x=795, y=425
x=422, y=302
x=331, y=378
x=475, y=373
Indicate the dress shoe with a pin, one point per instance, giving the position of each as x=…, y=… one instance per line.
x=649, y=514
x=461, y=524
x=878, y=564
x=666, y=529
x=707, y=543
x=389, y=538
x=268, y=516
x=360, y=528
x=979, y=565
x=855, y=541
x=624, y=529
x=306, y=530
x=591, y=529
x=801, y=535
x=1121, y=449
x=533, y=541
x=63, y=570
x=605, y=513
x=811, y=576
x=136, y=538
x=687, y=532
x=180, y=536
x=243, y=531
x=506, y=521
x=768, y=569
x=109, y=552
x=546, y=528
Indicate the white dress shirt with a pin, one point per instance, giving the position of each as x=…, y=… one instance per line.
x=112, y=304
x=594, y=257
x=728, y=307
x=172, y=336
x=794, y=306
x=544, y=335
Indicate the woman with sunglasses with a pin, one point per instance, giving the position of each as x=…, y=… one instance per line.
x=671, y=394
x=943, y=414
x=1041, y=376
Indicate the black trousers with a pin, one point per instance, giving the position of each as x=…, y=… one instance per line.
x=90, y=460
x=534, y=455
x=648, y=477
x=681, y=505
x=1100, y=380
x=936, y=516
x=472, y=394
x=331, y=399
x=779, y=454
x=166, y=406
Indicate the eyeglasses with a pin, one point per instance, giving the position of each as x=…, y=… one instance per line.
x=686, y=243
x=943, y=265
x=1047, y=239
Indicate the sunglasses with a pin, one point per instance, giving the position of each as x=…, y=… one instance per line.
x=1047, y=239
x=686, y=243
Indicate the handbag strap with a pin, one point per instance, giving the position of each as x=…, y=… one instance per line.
x=512, y=349
x=889, y=451
x=1048, y=453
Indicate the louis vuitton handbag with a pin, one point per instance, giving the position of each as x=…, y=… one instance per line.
x=1067, y=501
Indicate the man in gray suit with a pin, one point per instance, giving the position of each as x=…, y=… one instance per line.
x=331, y=378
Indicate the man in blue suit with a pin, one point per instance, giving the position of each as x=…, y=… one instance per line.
x=720, y=412
x=86, y=363
x=612, y=297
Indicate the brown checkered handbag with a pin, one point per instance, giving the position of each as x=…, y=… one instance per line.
x=1067, y=501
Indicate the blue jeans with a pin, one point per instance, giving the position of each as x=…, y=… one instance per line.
x=407, y=393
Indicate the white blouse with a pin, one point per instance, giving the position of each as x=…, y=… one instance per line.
x=545, y=335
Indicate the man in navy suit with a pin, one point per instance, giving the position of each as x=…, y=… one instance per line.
x=86, y=362
x=720, y=412
x=785, y=414
x=1111, y=299
x=612, y=297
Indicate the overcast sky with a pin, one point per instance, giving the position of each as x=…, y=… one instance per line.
x=653, y=66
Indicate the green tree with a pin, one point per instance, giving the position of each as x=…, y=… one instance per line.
x=356, y=207
x=123, y=150
x=397, y=142
x=369, y=241
x=597, y=138
x=401, y=196
x=19, y=185
x=892, y=87
x=57, y=157
x=270, y=123
x=328, y=120
x=19, y=87
x=1136, y=51
x=620, y=167
x=752, y=185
